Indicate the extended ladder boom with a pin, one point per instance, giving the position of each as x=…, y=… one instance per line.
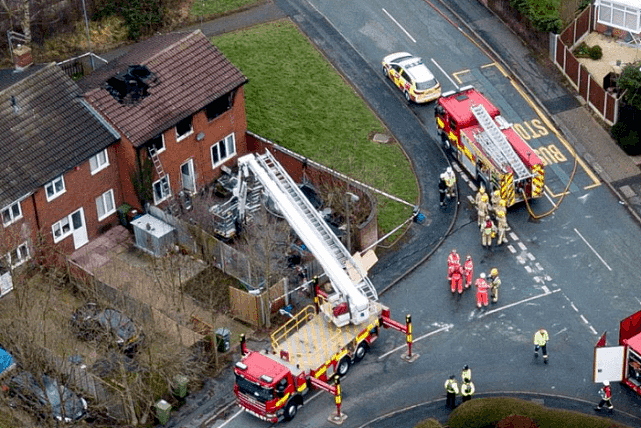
x=501, y=144
x=312, y=229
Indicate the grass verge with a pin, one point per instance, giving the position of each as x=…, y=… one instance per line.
x=210, y=8
x=295, y=98
x=487, y=412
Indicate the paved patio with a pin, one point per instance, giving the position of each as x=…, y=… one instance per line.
x=614, y=50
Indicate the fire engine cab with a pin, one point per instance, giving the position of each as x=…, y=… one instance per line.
x=487, y=146
x=621, y=363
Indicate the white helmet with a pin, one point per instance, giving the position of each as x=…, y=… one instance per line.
x=606, y=383
x=483, y=275
x=449, y=169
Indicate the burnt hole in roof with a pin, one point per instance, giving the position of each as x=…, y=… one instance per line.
x=132, y=86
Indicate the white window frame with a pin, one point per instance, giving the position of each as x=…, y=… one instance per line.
x=21, y=260
x=59, y=225
x=153, y=189
x=52, y=184
x=228, y=141
x=108, y=195
x=13, y=217
x=162, y=139
x=619, y=15
x=97, y=164
x=186, y=134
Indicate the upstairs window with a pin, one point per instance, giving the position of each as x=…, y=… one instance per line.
x=11, y=213
x=223, y=150
x=157, y=143
x=219, y=106
x=183, y=129
x=55, y=188
x=99, y=162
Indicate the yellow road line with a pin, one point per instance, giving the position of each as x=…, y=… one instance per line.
x=460, y=72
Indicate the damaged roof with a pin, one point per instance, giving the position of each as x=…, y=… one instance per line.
x=46, y=129
x=186, y=73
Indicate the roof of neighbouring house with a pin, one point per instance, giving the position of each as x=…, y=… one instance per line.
x=46, y=129
x=183, y=72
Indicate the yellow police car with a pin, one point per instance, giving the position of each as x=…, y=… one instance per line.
x=412, y=76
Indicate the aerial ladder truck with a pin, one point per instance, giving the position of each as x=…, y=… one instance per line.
x=318, y=344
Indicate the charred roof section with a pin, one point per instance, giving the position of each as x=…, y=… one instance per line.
x=131, y=86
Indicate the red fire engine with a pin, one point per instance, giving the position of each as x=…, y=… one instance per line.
x=487, y=146
x=322, y=340
x=621, y=363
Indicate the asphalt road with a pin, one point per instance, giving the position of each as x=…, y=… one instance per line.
x=571, y=272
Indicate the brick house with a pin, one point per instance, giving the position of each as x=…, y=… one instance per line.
x=70, y=149
x=59, y=175
x=175, y=99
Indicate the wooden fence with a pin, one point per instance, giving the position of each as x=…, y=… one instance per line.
x=255, y=308
x=605, y=104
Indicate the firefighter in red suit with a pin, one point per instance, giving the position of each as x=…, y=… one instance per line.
x=452, y=259
x=455, y=272
x=468, y=270
x=481, y=291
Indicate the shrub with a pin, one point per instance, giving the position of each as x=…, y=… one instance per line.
x=630, y=143
x=595, y=52
x=429, y=423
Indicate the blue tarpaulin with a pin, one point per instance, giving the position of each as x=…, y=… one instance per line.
x=6, y=360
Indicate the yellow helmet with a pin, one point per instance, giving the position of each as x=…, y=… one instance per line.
x=497, y=193
x=482, y=189
x=484, y=198
x=500, y=214
x=494, y=272
x=502, y=202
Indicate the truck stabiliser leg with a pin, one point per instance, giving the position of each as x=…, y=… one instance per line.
x=407, y=329
x=337, y=418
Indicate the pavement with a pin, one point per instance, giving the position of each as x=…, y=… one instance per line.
x=542, y=82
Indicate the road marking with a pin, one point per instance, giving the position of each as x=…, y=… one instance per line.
x=446, y=328
x=593, y=250
x=513, y=236
x=444, y=73
x=545, y=289
x=584, y=319
x=522, y=246
x=228, y=420
x=511, y=248
x=484, y=314
x=399, y=25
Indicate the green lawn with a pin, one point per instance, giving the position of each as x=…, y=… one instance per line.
x=210, y=8
x=295, y=98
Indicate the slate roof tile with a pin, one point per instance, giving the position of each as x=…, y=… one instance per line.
x=48, y=133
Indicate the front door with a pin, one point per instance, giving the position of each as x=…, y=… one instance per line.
x=80, y=237
x=188, y=178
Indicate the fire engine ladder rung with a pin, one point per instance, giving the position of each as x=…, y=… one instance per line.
x=316, y=221
x=498, y=138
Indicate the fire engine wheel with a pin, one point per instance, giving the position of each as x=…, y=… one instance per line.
x=343, y=367
x=445, y=141
x=290, y=410
x=361, y=350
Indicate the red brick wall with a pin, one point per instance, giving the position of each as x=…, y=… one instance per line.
x=127, y=164
x=177, y=153
x=82, y=189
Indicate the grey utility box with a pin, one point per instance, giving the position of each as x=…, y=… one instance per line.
x=153, y=235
